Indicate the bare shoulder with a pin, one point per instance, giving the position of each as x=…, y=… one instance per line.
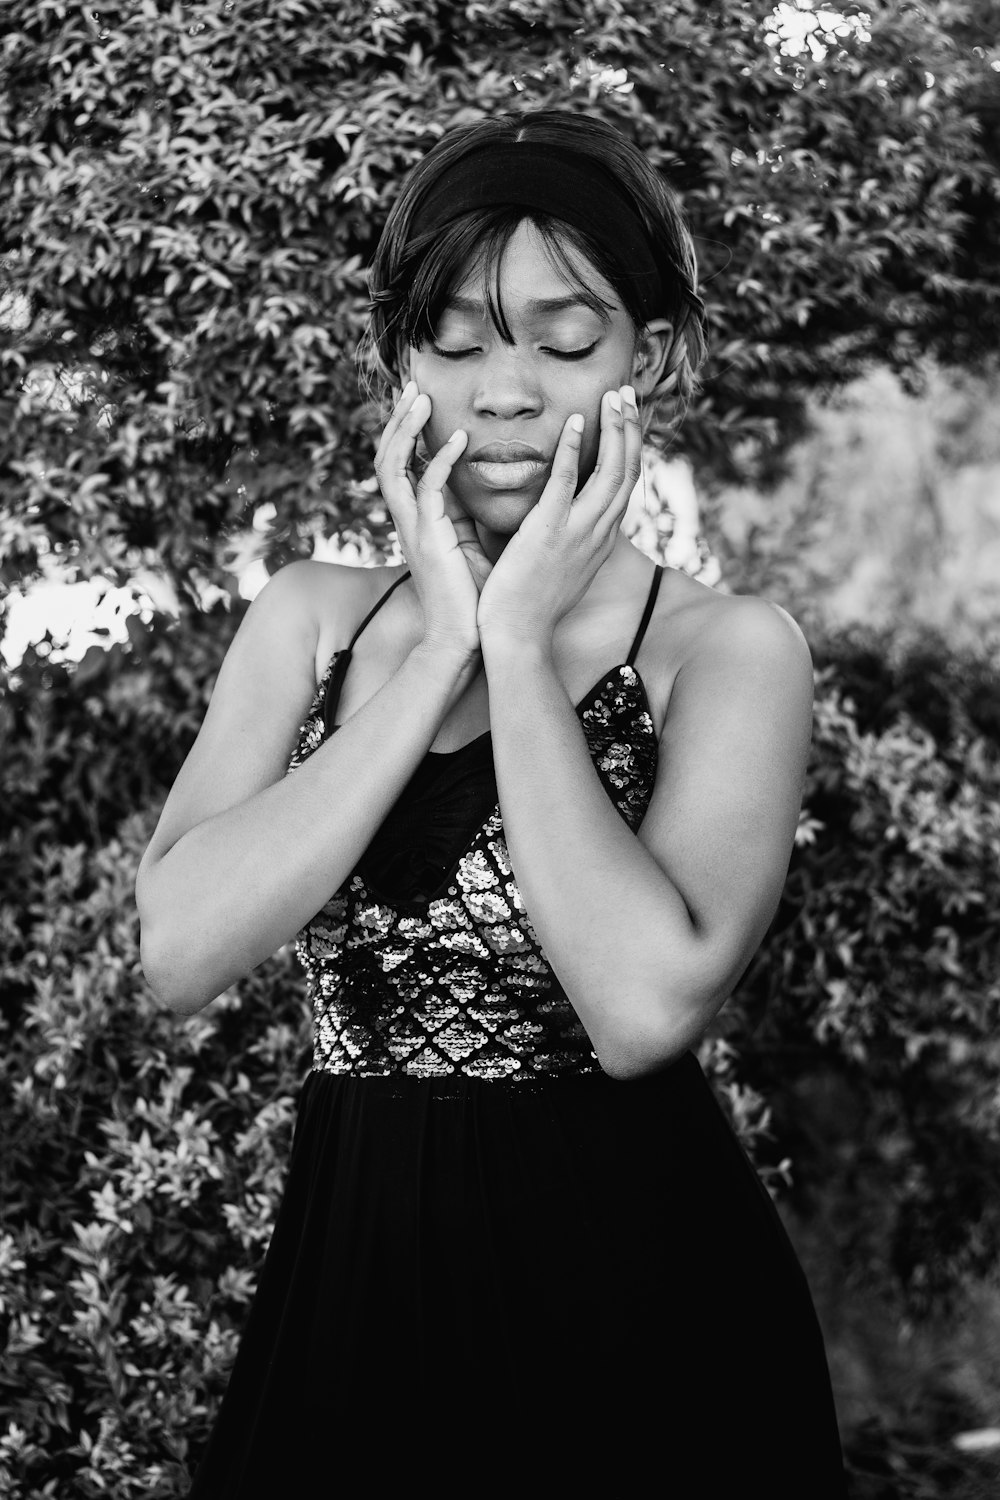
x=699, y=625
x=330, y=599
x=703, y=640
x=745, y=628
x=264, y=689
x=321, y=591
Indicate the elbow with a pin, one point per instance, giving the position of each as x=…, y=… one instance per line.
x=172, y=962
x=169, y=979
x=652, y=1037
x=627, y=1064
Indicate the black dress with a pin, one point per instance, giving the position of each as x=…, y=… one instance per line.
x=495, y=1269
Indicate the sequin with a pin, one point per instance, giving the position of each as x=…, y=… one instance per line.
x=463, y=985
x=447, y=914
x=435, y=1011
x=429, y=1064
x=474, y=873
x=464, y=942
x=489, y=907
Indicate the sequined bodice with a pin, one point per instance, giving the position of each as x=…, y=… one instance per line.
x=425, y=963
x=457, y=983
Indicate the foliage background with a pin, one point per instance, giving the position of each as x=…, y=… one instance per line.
x=189, y=193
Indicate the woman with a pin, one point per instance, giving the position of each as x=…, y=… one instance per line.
x=542, y=801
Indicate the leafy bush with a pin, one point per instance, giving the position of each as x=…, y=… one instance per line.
x=882, y=969
x=142, y=1163
x=144, y=1157
x=189, y=195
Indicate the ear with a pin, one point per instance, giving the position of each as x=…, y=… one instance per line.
x=652, y=350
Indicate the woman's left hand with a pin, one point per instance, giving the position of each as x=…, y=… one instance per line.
x=553, y=557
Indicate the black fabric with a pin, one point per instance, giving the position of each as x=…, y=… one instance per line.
x=428, y=827
x=647, y=615
x=342, y=658
x=565, y=184
x=579, y=1288
x=512, y=1283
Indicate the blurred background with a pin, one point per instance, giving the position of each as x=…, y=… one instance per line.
x=189, y=196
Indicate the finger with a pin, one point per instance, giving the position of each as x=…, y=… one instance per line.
x=438, y=470
x=560, y=488
x=633, y=439
x=632, y=456
x=453, y=508
x=609, y=471
x=399, y=411
x=611, y=459
x=465, y=527
x=395, y=454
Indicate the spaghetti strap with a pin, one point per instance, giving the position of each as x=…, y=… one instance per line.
x=654, y=589
x=375, y=609
x=339, y=672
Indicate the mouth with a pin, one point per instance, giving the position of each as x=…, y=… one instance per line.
x=507, y=465
x=505, y=451
x=508, y=475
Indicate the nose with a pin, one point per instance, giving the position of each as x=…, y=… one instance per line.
x=509, y=388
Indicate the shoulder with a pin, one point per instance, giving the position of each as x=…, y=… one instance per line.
x=697, y=625
x=322, y=603
x=749, y=630
x=314, y=589
x=739, y=646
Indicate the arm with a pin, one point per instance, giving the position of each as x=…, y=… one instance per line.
x=243, y=855
x=647, y=934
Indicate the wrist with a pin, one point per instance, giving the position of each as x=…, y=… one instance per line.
x=450, y=660
x=508, y=649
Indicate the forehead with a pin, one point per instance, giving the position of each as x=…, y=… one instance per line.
x=528, y=276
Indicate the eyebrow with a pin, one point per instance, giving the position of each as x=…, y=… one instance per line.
x=535, y=306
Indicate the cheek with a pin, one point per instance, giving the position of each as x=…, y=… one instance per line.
x=445, y=414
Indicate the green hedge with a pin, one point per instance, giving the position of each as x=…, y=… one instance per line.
x=143, y=1155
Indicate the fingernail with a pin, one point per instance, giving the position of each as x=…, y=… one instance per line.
x=410, y=386
x=576, y=423
x=629, y=394
x=614, y=401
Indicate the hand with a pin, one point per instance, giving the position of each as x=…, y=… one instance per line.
x=553, y=557
x=438, y=539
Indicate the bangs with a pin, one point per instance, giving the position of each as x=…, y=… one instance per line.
x=472, y=248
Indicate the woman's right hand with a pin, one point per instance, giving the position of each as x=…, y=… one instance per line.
x=439, y=541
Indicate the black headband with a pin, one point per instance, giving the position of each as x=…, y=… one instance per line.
x=566, y=184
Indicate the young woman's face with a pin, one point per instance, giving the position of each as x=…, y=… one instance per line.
x=513, y=399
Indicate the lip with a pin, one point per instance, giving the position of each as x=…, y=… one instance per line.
x=509, y=474
x=506, y=452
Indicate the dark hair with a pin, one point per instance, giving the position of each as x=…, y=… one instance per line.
x=413, y=275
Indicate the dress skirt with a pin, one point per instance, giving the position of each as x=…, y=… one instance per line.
x=564, y=1286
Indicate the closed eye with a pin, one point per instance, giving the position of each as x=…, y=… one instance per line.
x=555, y=353
x=572, y=353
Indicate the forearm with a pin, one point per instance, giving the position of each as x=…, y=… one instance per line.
x=612, y=924
x=236, y=887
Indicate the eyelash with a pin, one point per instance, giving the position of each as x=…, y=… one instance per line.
x=568, y=354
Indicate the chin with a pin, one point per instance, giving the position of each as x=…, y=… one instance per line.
x=499, y=513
